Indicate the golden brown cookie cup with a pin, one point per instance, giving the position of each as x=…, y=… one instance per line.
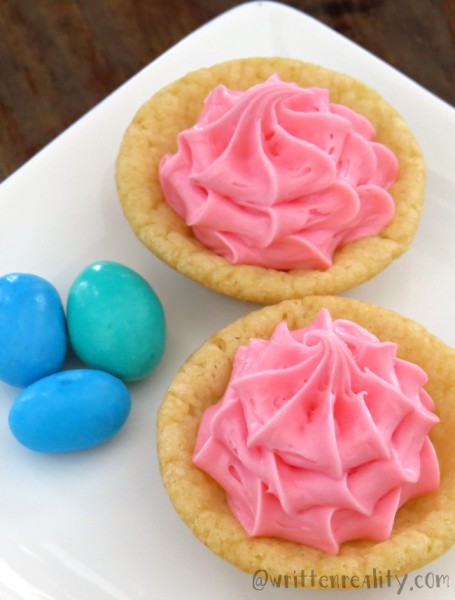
x=176, y=107
x=424, y=528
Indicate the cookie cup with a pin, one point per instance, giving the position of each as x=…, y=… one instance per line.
x=424, y=528
x=176, y=107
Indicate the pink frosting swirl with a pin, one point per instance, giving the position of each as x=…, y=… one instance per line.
x=278, y=176
x=320, y=436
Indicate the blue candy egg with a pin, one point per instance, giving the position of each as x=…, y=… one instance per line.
x=33, y=338
x=71, y=410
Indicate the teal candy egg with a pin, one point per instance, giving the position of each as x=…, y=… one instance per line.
x=70, y=410
x=116, y=322
x=33, y=338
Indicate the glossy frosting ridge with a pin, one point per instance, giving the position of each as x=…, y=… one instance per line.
x=278, y=176
x=321, y=435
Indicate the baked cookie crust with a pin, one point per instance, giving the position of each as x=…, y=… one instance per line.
x=176, y=107
x=424, y=528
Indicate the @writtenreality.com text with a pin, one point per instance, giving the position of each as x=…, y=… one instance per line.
x=376, y=579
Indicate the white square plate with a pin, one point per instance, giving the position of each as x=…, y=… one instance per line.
x=98, y=525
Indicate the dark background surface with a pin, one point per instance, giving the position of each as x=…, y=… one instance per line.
x=61, y=57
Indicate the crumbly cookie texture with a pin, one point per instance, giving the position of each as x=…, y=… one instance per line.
x=176, y=107
x=424, y=528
